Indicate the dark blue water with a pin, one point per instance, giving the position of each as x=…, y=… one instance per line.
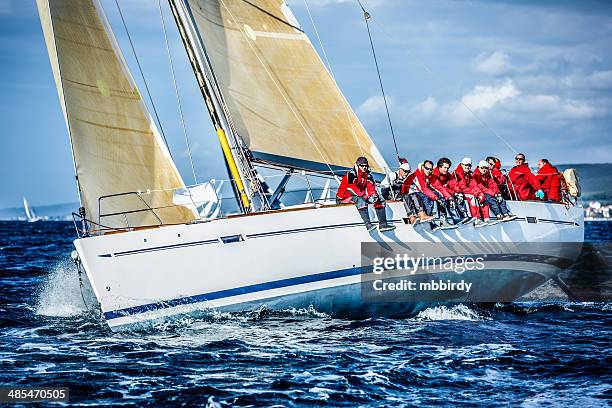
x=531, y=354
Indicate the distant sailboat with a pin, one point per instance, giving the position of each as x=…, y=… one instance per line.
x=275, y=107
x=30, y=214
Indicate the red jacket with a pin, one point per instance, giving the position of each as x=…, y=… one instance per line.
x=548, y=177
x=423, y=183
x=486, y=182
x=360, y=182
x=465, y=182
x=408, y=182
x=444, y=183
x=523, y=182
x=497, y=174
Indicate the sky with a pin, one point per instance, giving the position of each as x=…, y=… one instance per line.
x=463, y=78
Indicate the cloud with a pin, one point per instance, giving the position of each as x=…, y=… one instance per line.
x=427, y=107
x=496, y=63
x=480, y=99
x=374, y=105
x=485, y=97
x=554, y=108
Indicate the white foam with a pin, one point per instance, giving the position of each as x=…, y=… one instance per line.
x=459, y=312
x=60, y=293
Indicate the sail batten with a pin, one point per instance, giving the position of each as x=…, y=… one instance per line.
x=115, y=144
x=281, y=99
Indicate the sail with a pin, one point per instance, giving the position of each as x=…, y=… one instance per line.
x=29, y=213
x=282, y=101
x=115, y=144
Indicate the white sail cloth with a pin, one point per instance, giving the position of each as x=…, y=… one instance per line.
x=204, y=199
x=283, y=102
x=116, y=145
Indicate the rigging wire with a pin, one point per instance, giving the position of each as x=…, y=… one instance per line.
x=366, y=17
x=176, y=91
x=144, y=80
x=466, y=106
x=331, y=73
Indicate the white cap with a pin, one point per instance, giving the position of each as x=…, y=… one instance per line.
x=466, y=160
x=483, y=163
x=405, y=166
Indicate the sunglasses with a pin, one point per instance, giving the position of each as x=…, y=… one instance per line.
x=483, y=167
x=519, y=158
x=466, y=165
x=363, y=166
x=428, y=168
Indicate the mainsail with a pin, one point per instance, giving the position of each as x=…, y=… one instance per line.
x=116, y=145
x=283, y=103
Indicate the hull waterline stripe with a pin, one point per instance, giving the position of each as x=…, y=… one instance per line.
x=299, y=280
x=259, y=287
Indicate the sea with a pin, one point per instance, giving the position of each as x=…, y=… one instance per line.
x=533, y=353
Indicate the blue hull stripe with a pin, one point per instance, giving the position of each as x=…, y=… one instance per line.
x=317, y=277
x=114, y=314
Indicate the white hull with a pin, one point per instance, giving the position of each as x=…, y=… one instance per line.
x=293, y=258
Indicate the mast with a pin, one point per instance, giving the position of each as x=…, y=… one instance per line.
x=237, y=164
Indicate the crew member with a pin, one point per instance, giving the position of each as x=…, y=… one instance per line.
x=499, y=177
x=523, y=184
x=550, y=180
x=358, y=187
x=468, y=188
x=396, y=186
x=429, y=195
x=492, y=195
x=443, y=182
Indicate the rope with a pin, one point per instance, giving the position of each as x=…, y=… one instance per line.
x=331, y=73
x=366, y=17
x=144, y=80
x=430, y=72
x=279, y=88
x=176, y=91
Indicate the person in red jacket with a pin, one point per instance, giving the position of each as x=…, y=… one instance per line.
x=550, y=180
x=358, y=187
x=493, y=197
x=396, y=186
x=523, y=184
x=443, y=182
x=499, y=177
x=468, y=188
x=431, y=196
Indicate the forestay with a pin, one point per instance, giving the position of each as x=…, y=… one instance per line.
x=116, y=145
x=284, y=104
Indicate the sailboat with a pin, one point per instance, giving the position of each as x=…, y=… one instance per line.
x=30, y=214
x=275, y=107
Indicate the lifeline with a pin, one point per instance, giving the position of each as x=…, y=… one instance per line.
x=407, y=285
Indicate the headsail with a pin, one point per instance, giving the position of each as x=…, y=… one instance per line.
x=283, y=102
x=116, y=145
x=28, y=211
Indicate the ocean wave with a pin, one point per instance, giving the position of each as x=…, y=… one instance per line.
x=458, y=312
x=61, y=294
